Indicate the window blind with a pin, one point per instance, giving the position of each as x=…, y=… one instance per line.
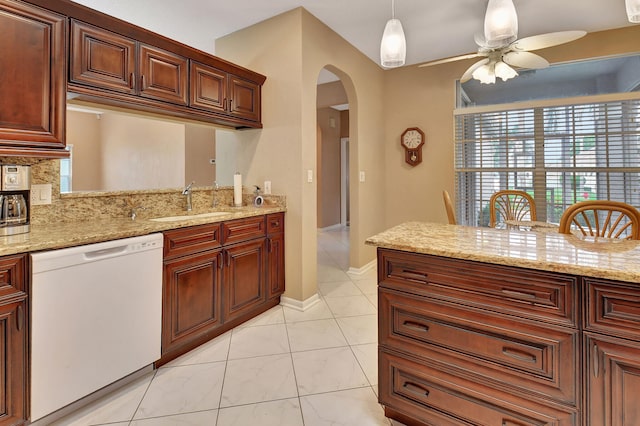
x=558, y=154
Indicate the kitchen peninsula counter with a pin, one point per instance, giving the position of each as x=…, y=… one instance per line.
x=489, y=326
x=75, y=233
x=612, y=259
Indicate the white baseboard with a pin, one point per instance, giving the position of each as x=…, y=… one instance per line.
x=361, y=271
x=331, y=227
x=300, y=305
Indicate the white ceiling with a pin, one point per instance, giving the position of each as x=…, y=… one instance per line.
x=434, y=28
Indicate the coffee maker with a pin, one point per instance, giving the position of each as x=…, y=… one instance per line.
x=15, y=182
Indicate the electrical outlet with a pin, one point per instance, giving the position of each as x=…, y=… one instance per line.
x=267, y=187
x=362, y=176
x=309, y=176
x=41, y=194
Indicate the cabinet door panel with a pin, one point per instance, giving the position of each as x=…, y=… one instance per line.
x=13, y=355
x=244, y=287
x=613, y=373
x=32, y=77
x=164, y=75
x=244, y=99
x=275, y=265
x=102, y=58
x=13, y=275
x=191, y=302
x=208, y=87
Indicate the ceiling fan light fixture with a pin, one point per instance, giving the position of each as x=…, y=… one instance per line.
x=504, y=71
x=485, y=74
x=500, y=22
x=393, y=47
x=633, y=11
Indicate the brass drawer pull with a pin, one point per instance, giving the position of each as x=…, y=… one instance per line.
x=596, y=361
x=416, y=326
x=520, y=294
x=519, y=355
x=417, y=389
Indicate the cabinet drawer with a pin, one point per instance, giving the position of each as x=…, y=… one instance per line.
x=431, y=394
x=13, y=276
x=525, y=357
x=548, y=297
x=181, y=242
x=235, y=231
x=613, y=308
x=275, y=223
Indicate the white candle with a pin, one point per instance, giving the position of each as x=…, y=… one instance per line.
x=237, y=190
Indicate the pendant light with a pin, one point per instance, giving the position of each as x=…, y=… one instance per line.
x=633, y=11
x=393, y=47
x=500, y=22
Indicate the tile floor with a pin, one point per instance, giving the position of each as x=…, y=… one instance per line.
x=285, y=367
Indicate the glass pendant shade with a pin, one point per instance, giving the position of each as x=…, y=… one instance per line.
x=485, y=74
x=504, y=71
x=633, y=11
x=393, y=48
x=500, y=22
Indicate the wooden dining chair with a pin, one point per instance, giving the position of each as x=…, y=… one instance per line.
x=448, y=205
x=602, y=218
x=511, y=204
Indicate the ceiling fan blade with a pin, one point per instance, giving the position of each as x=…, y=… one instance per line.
x=451, y=59
x=469, y=72
x=541, y=41
x=525, y=60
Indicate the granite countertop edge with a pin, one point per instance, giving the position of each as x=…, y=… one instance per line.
x=70, y=234
x=546, y=252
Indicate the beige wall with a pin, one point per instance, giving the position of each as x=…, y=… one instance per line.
x=290, y=50
x=425, y=97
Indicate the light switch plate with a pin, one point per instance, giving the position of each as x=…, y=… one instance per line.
x=40, y=194
x=267, y=187
x=309, y=176
x=362, y=177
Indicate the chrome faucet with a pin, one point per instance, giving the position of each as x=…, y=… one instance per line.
x=187, y=191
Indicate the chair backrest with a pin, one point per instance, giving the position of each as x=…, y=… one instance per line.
x=602, y=218
x=448, y=205
x=510, y=204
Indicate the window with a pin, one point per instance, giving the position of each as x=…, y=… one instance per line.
x=558, y=154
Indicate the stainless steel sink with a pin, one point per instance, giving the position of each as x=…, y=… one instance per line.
x=188, y=217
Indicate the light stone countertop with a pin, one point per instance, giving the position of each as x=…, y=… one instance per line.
x=69, y=234
x=611, y=259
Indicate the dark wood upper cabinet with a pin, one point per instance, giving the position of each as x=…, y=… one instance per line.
x=215, y=90
x=107, y=60
x=32, y=81
x=102, y=58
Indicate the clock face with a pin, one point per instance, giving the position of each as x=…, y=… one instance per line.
x=411, y=139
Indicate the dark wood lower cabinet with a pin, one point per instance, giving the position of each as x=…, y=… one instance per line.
x=216, y=277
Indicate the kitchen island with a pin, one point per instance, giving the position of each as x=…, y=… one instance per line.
x=479, y=326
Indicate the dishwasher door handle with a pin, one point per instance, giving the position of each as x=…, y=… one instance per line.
x=104, y=253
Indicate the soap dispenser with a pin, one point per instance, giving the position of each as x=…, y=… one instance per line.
x=258, y=200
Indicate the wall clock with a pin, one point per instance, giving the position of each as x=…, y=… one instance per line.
x=412, y=141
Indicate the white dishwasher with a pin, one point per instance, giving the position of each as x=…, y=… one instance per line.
x=96, y=317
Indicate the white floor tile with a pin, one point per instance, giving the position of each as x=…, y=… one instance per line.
x=118, y=406
x=367, y=356
x=199, y=418
x=318, y=311
x=328, y=274
x=285, y=412
x=349, y=306
x=346, y=408
x=270, y=317
x=371, y=274
x=183, y=389
x=327, y=370
x=373, y=298
x=368, y=285
x=319, y=334
x=213, y=351
x=258, y=379
x=258, y=341
x=360, y=330
x=339, y=288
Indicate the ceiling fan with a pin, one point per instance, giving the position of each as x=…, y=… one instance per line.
x=501, y=48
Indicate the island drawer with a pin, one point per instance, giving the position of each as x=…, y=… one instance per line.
x=526, y=357
x=612, y=307
x=13, y=276
x=235, y=231
x=194, y=239
x=435, y=396
x=549, y=297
